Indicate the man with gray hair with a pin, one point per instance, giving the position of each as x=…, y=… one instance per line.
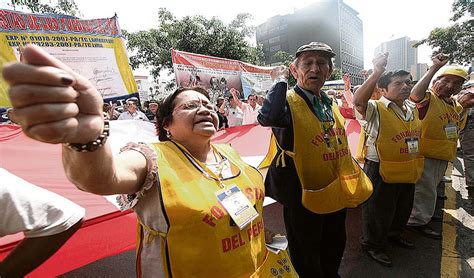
x=312, y=169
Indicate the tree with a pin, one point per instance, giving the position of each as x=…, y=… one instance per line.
x=195, y=34
x=336, y=74
x=456, y=39
x=68, y=7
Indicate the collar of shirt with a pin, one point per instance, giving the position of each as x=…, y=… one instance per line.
x=324, y=109
x=409, y=106
x=325, y=99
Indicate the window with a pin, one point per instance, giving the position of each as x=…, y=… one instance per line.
x=275, y=48
x=274, y=39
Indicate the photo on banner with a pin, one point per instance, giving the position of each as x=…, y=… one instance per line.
x=93, y=48
x=219, y=75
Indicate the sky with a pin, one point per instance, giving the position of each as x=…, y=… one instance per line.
x=382, y=19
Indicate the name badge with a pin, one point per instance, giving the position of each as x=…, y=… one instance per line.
x=237, y=205
x=412, y=144
x=451, y=131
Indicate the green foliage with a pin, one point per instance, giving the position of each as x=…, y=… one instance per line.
x=456, y=39
x=284, y=58
x=68, y=7
x=336, y=74
x=195, y=34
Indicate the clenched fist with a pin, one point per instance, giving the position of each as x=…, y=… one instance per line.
x=51, y=102
x=280, y=71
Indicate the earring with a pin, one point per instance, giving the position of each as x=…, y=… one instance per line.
x=168, y=133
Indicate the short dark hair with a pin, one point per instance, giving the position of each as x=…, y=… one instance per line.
x=252, y=95
x=165, y=113
x=387, y=76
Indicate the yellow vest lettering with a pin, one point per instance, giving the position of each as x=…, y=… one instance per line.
x=434, y=142
x=199, y=227
x=331, y=180
x=397, y=165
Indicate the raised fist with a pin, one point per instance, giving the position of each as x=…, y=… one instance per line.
x=280, y=71
x=52, y=103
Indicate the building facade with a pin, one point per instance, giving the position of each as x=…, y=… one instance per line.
x=418, y=70
x=402, y=54
x=330, y=21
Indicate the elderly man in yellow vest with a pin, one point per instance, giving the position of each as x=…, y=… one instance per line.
x=442, y=119
x=393, y=162
x=313, y=174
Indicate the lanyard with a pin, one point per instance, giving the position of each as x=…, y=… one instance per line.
x=202, y=167
x=409, y=127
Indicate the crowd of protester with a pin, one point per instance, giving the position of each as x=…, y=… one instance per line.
x=409, y=134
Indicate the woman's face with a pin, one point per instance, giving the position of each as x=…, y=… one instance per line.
x=193, y=115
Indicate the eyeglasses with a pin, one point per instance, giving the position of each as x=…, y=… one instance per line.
x=194, y=105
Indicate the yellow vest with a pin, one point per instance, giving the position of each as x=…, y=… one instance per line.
x=331, y=180
x=396, y=164
x=434, y=143
x=200, y=241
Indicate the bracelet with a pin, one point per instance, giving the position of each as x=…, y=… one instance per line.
x=92, y=145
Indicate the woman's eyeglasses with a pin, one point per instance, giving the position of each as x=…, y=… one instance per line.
x=194, y=105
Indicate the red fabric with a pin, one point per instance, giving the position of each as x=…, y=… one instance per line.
x=106, y=231
x=247, y=140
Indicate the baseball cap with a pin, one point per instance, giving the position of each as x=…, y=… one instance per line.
x=316, y=46
x=455, y=70
x=153, y=101
x=132, y=99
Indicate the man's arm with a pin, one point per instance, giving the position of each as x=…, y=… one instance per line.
x=221, y=109
x=347, y=94
x=47, y=219
x=274, y=111
x=32, y=252
x=363, y=94
x=419, y=90
x=237, y=100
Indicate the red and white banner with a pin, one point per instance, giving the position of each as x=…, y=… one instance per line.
x=218, y=75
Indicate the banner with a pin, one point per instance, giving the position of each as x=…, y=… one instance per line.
x=93, y=48
x=218, y=75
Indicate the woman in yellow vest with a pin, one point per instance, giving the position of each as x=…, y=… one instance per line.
x=393, y=162
x=199, y=205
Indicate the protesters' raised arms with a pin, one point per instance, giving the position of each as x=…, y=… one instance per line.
x=419, y=90
x=55, y=105
x=237, y=100
x=363, y=94
x=274, y=110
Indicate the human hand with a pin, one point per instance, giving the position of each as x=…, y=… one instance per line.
x=467, y=100
x=380, y=62
x=52, y=103
x=234, y=93
x=364, y=73
x=346, y=77
x=268, y=236
x=440, y=60
x=280, y=71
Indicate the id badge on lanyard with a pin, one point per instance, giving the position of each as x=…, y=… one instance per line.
x=412, y=144
x=237, y=205
x=451, y=131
